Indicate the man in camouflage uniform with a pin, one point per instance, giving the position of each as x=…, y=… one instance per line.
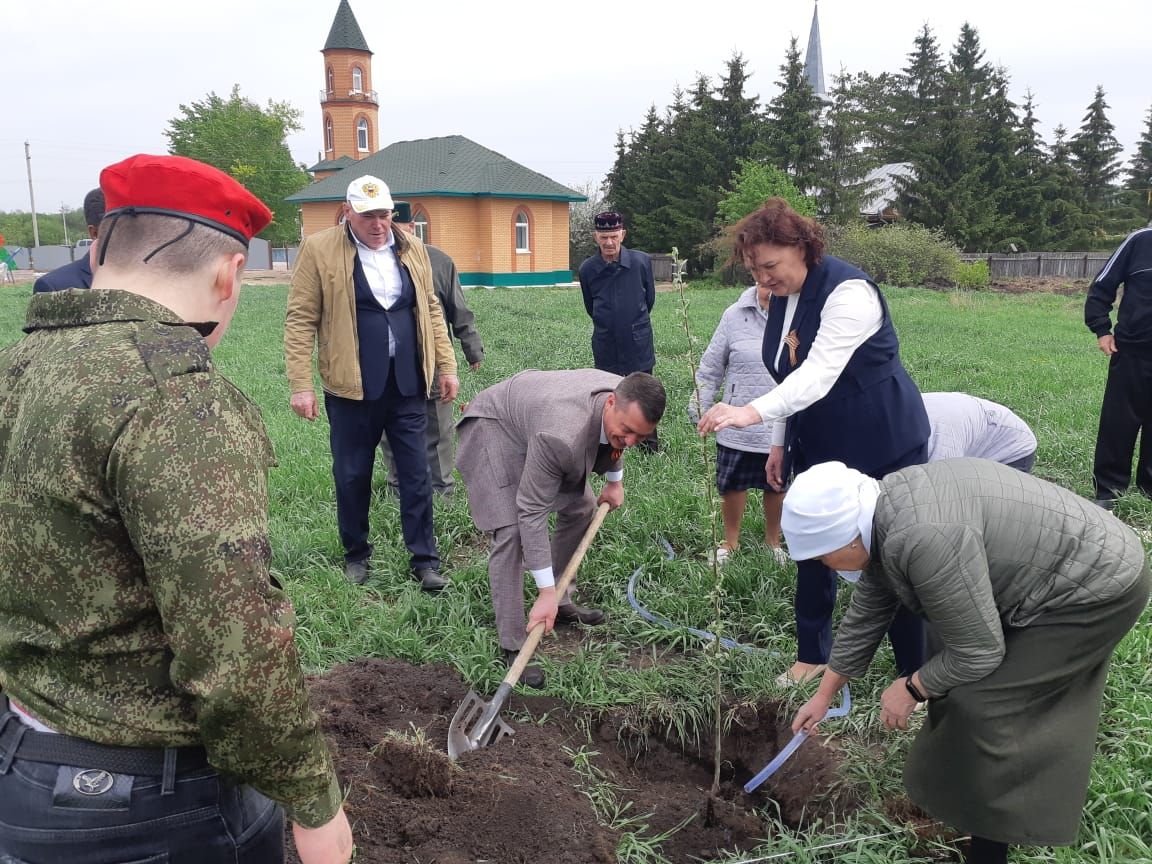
x=154, y=701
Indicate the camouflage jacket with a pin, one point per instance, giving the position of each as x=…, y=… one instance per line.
x=136, y=605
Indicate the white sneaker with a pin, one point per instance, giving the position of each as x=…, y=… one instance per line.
x=787, y=679
x=719, y=556
x=781, y=555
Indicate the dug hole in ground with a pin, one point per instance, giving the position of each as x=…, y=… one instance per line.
x=529, y=798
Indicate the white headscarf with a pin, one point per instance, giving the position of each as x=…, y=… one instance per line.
x=826, y=508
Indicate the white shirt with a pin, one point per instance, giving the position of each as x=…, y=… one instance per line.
x=546, y=576
x=382, y=270
x=851, y=315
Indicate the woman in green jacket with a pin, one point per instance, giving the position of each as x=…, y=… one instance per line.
x=1028, y=587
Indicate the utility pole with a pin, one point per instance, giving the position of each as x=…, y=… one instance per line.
x=64, y=219
x=32, y=201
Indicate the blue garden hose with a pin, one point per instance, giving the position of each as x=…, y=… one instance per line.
x=794, y=745
x=670, y=555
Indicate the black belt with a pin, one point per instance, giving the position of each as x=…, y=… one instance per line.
x=23, y=742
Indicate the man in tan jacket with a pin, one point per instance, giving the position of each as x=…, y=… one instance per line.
x=364, y=293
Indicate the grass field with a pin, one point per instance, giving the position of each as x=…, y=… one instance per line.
x=1030, y=352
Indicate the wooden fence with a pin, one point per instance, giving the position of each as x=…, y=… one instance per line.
x=1067, y=265
x=661, y=267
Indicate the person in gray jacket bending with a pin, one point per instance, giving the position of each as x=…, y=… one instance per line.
x=1029, y=587
x=733, y=358
x=964, y=425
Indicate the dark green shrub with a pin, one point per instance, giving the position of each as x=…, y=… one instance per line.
x=903, y=254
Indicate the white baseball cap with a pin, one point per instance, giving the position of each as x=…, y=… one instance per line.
x=369, y=193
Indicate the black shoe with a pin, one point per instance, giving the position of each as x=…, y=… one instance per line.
x=357, y=572
x=429, y=579
x=649, y=446
x=570, y=613
x=532, y=676
x=1106, y=503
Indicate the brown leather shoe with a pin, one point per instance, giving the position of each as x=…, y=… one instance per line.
x=532, y=676
x=570, y=613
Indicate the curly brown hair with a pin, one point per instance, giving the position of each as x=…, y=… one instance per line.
x=777, y=223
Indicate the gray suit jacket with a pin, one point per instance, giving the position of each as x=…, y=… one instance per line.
x=528, y=442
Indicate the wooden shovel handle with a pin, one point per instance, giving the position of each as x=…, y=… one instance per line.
x=537, y=632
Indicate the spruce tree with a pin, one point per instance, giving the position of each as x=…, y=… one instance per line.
x=1095, y=151
x=634, y=185
x=793, y=134
x=692, y=180
x=916, y=99
x=846, y=161
x=738, y=117
x=1140, y=172
x=1073, y=227
x=961, y=166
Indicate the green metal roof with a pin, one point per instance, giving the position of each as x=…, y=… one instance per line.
x=332, y=164
x=452, y=166
x=345, y=32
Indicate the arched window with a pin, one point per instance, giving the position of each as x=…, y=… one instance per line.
x=329, y=135
x=331, y=81
x=522, y=232
x=420, y=221
x=357, y=80
x=362, y=134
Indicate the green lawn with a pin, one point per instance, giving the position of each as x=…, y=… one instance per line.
x=1031, y=352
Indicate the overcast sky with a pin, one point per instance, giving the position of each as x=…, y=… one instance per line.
x=544, y=83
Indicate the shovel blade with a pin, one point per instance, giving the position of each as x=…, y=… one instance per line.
x=469, y=731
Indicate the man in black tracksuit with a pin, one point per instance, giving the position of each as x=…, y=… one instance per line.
x=1127, y=408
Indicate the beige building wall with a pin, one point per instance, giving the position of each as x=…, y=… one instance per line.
x=479, y=233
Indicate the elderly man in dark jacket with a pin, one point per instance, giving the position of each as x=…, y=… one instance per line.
x=1029, y=587
x=619, y=293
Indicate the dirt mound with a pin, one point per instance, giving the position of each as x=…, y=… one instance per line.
x=525, y=799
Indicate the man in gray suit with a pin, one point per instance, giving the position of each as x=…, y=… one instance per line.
x=527, y=446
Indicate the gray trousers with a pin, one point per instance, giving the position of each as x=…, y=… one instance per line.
x=506, y=565
x=441, y=430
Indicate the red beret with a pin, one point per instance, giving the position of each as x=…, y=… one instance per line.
x=182, y=187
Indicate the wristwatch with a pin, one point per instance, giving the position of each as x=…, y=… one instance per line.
x=916, y=694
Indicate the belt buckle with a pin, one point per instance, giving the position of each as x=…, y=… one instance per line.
x=93, y=781
x=81, y=788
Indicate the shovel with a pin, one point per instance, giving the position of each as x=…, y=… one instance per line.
x=477, y=723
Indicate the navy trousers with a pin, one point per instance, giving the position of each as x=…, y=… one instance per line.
x=355, y=429
x=203, y=820
x=816, y=602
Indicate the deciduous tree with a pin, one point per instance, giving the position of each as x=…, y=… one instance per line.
x=248, y=142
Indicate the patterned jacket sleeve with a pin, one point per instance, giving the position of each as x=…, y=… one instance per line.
x=189, y=474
